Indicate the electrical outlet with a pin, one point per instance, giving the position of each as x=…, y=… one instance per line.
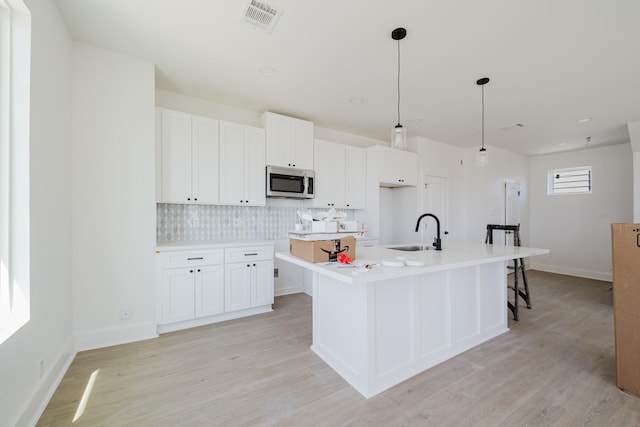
x=125, y=314
x=40, y=369
x=195, y=222
x=276, y=273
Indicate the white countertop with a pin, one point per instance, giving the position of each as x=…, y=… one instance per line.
x=454, y=255
x=211, y=244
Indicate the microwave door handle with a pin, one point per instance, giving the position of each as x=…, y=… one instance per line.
x=306, y=185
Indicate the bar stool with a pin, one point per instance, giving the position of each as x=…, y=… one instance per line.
x=518, y=267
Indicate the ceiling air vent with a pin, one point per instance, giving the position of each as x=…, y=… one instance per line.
x=261, y=14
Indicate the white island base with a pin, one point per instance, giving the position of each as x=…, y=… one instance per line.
x=381, y=327
x=379, y=334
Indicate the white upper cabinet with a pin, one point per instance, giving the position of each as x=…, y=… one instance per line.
x=289, y=141
x=188, y=158
x=242, y=165
x=394, y=167
x=340, y=176
x=355, y=177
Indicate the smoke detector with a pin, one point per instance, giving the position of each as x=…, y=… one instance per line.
x=261, y=14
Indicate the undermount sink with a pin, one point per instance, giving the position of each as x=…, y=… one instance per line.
x=412, y=248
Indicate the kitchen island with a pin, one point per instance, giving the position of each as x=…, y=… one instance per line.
x=378, y=325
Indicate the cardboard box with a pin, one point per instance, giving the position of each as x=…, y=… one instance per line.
x=625, y=240
x=323, y=250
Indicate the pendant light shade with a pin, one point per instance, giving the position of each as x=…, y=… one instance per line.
x=399, y=133
x=482, y=158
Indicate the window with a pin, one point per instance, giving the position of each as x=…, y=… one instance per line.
x=15, y=53
x=570, y=181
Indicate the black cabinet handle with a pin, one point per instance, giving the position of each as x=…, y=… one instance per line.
x=198, y=270
x=250, y=254
x=194, y=258
x=190, y=271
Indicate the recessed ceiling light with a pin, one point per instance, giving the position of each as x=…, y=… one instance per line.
x=267, y=71
x=585, y=120
x=356, y=100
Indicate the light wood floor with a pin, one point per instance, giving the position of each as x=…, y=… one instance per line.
x=555, y=367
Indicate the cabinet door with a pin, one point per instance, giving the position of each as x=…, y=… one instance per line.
x=237, y=286
x=177, y=294
x=176, y=157
x=289, y=141
x=204, y=159
x=387, y=165
x=209, y=290
x=279, y=140
x=302, y=145
x=231, y=164
x=329, y=168
x=255, y=173
x=407, y=167
x=355, y=177
x=262, y=283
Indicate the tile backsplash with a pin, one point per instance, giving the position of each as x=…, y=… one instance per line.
x=211, y=222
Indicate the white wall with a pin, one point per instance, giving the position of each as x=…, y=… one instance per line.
x=48, y=334
x=114, y=214
x=476, y=194
x=576, y=228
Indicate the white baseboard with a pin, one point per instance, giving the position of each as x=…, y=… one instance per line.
x=115, y=336
x=193, y=323
x=288, y=291
x=578, y=272
x=40, y=399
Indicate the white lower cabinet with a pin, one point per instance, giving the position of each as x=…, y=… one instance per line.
x=248, y=283
x=198, y=287
x=192, y=292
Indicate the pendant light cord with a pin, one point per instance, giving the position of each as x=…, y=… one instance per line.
x=482, y=116
x=398, y=81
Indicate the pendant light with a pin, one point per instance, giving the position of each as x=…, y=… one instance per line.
x=398, y=133
x=483, y=156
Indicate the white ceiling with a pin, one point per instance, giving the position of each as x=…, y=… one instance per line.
x=551, y=63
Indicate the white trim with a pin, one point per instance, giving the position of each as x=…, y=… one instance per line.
x=569, y=271
x=35, y=406
x=115, y=336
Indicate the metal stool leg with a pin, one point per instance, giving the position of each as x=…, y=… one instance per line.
x=513, y=306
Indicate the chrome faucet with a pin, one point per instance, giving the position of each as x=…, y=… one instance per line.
x=437, y=242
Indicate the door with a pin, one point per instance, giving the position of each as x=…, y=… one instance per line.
x=435, y=200
x=237, y=286
x=177, y=294
x=232, y=164
x=204, y=136
x=254, y=171
x=209, y=290
x=511, y=210
x=176, y=157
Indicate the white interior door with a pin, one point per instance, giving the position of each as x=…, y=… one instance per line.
x=435, y=200
x=511, y=209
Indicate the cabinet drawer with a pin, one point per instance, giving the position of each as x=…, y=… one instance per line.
x=252, y=253
x=172, y=259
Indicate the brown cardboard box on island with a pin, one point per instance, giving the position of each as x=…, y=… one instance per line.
x=323, y=250
x=626, y=300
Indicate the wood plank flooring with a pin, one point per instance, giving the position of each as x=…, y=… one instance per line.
x=555, y=367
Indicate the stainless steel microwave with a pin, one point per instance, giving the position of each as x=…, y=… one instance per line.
x=289, y=182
